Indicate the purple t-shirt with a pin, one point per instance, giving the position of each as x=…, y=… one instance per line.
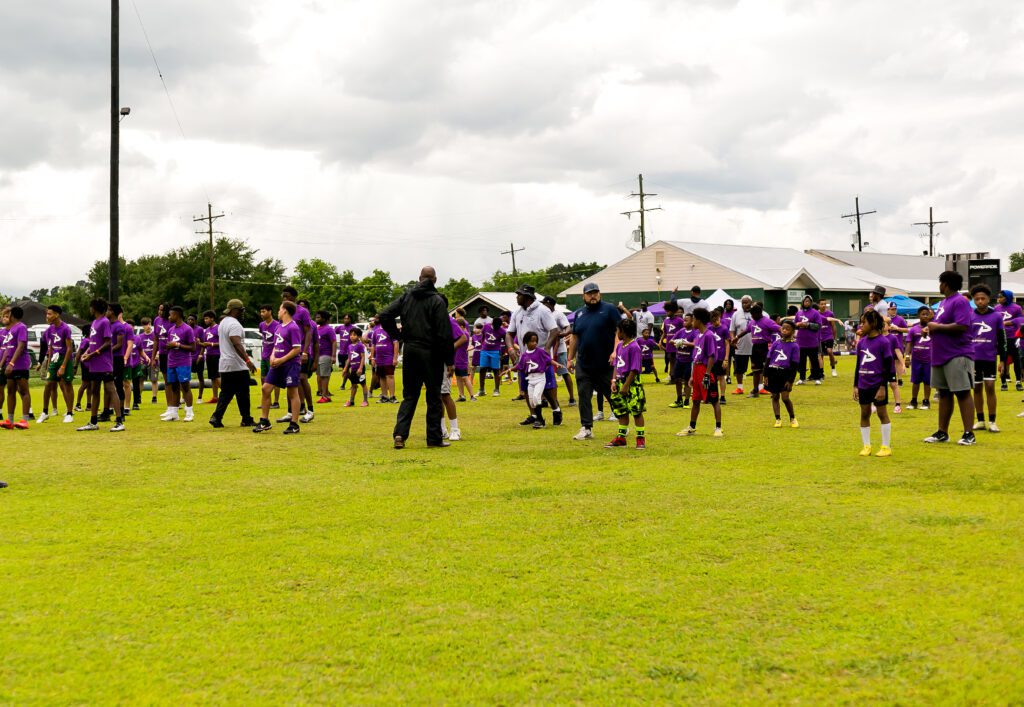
x=805, y=338
x=684, y=353
x=180, y=334
x=647, y=348
x=477, y=341
x=135, y=357
x=1010, y=312
x=984, y=328
x=874, y=358
x=761, y=330
x=920, y=344
x=705, y=347
x=287, y=338
x=783, y=354
x=211, y=336
x=58, y=339
x=160, y=328
x=627, y=358
x=946, y=346
x=18, y=334
x=268, y=331
x=900, y=322
x=461, y=352
x=536, y=361
x=343, y=332
x=102, y=362
x=122, y=331
x=826, y=333
x=200, y=335
x=493, y=338
x=383, y=347
x=356, y=352
x=670, y=327
x=326, y=336
x=721, y=333
x=305, y=323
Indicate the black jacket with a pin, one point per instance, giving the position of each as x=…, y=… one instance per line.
x=425, y=321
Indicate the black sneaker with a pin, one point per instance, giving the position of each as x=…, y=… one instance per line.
x=540, y=424
x=967, y=440
x=556, y=418
x=275, y=406
x=136, y=407
x=1020, y=386
x=262, y=426
x=938, y=437
x=722, y=400
x=925, y=406
x=1004, y=387
x=292, y=429
x=105, y=417
x=215, y=423
x=528, y=421
x=249, y=422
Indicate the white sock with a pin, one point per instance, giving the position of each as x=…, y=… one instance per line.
x=558, y=409
x=886, y=434
x=188, y=409
x=739, y=386
x=169, y=408
x=865, y=436
x=454, y=424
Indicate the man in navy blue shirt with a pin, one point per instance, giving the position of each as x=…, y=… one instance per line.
x=590, y=352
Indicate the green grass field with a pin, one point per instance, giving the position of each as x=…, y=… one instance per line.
x=176, y=563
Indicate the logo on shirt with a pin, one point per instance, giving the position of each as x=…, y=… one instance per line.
x=983, y=328
x=619, y=361
x=531, y=366
x=780, y=355
x=868, y=357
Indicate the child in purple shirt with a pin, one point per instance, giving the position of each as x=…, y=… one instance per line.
x=628, y=396
x=989, y=355
x=16, y=363
x=648, y=346
x=536, y=367
x=783, y=363
x=874, y=369
x=356, y=366
x=703, y=378
x=919, y=351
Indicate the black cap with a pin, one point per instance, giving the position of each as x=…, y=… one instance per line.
x=879, y=290
x=527, y=291
x=548, y=299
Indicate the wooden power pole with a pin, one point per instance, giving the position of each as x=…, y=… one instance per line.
x=209, y=218
x=641, y=211
x=512, y=250
x=858, y=213
x=114, y=267
x=931, y=223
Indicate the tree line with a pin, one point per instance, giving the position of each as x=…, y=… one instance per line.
x=181, y=277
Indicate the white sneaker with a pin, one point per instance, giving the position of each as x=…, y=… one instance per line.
x=87, y=428
x=1020, y=414
x=496, y=394
x=119, y=427
x=993, y=427
x=835, y=373
x=308, y=417
x=598, y=416
x=584, y=434
x=166, y=415
x=43, y=417
x=718, y=432
x=817, y=382
x=979, y=425
x=455, y=436
x=69, y=418
x=686, y=432
x=799, y=382
x=171, y=418
x=189, y=417
x=444, y=434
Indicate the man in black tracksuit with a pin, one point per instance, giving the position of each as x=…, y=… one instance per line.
x=427, y=347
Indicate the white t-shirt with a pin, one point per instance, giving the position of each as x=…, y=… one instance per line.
x=230, y=361
x=688, y=305
x=644, y=320
x=562, y=322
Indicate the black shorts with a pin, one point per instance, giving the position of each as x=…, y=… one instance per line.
x=118, y=368
x=86, y=375
x=984, y=371
x=104, y=377
x=18, y=375
x=681, y=370
x=827, y=346
x=213, y=367
x=197, y=366
x=740, y=362
x=648, y=365
x=355, y=378
x=758, y=357
x=163, y=363
x=461, y=372
x=309, y=367
x=776, y=378
x=718, y=369
x=867, y=397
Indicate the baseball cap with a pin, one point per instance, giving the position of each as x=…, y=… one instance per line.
x=591, y=287
x=234, y=304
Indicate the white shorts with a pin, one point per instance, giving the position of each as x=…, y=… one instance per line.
x=535, y=383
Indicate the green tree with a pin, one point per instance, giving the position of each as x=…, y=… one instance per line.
x=459, y=290
x=1016, y=261
x=374, y=292
x=548, y=281
x=320, y=282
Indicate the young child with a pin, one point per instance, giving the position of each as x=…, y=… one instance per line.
x=783, y=364
x=919, y=351
x=898, y=367
x=669, y=328
x=874, y=370
x=463, y=373
x=82, y=363
x=647, y=348
x=762, y=330
x=989, y=355
x=703, y=379
x=490, y=355
x=721, y=331
x=533, y=365
x=356, y=366
x=681, y=371
x=628, y=396
x=211, y=351
x=268, y=332
x=327, y=347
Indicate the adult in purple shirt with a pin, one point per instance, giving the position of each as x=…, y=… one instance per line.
x=307, y=358
x=827, y=334
x=159, y=353
x=383, y=354
x=284, y=369
x=120, y=334
x=808, y=337
x=1011, y=313
x=101, y=367
x=210, y=345
x=16, y=366
x=327, y=346
x=952, y=358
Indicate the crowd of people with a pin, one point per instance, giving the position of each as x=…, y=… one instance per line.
x=600, y=357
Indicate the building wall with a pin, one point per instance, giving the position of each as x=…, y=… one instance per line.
x=633, y=299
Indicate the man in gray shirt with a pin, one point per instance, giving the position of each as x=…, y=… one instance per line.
x=535, y=317
x=740, y=340
x=235, y=366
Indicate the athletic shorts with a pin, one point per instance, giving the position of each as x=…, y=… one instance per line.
x=127, y=373
x=198, y=365
x=827, y=346
x=740, y=363
x=18, y=375
x=285, y=375
x=355, y=377
x=86, y=375
x=308, y=368
x=264, y=367
x=179, y=374
x=681, y=369
x=718, y=369
x=490, y=359
x=388, y=370
x=562, y=364
x=633, y=403
x=163, y=363
x=647, y=365
x=324, y=366
x=776, y=378
x=101, y=377
x=459, y=372
x=920, y=371
x=758, y=357
x=213, y=367
x=476, y=359
x=956, y=375
x=699, y=392
x=51, y=372
x=550, y=382
x=867, y=396
x=138, y=372
x=984, y=371
x=118, y=366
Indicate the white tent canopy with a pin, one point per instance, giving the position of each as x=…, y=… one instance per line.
x=718, y=298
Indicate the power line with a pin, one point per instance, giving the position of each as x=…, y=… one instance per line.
x=931, y=223
x=512, y=250
x=641, y=211
x=209, y=218
x=858, y=213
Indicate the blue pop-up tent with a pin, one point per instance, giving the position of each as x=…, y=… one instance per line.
x=969, y=299
x=905, y=306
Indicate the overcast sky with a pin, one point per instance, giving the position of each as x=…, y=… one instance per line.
x=392, y=134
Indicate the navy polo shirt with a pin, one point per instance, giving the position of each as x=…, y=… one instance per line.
x=594, y=330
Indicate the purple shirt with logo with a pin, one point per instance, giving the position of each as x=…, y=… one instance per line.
x=536, y=361
x=647, y=348
x=461, y=352
x=288, y=336
x=721, y=333
x=58, y=339
x=826, y=333
x=268, y=332
x=383, y=347
x=920, y=344
x=135, y=357
x=200, y=335
x=874, y=360
x=102, y=362
x=783, y=354
x=984, y=328
x=211, y=336
x=946, y=346
x=805, y=338
x=305, y=323
x=762, y=329
x=627, y=358
x=18, y=334
x=326, y=336
x=493, y=338
x=684, y=353
x=160, y=328
x=670, y=328
x=1010, y=312
x=355, y=356
x=180, y=334
x=705, y=347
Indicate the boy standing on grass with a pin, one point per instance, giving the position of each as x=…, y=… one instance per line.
x=919, y=351
x=101, y=367
x=327, y=340
x=211, y=352
x=783, y=363
x=284, y=369
x=874, y=370
x=490, y=355
x=356, y=366
x=81, y=362
x=702, y=380
x=672, y=325
x=198, y=361
x=989, y=354
x=628, y=396
x=682, y=370
x=648, y=346
x=383, y=354
x=463, y=375
x=181, y=341
x=762, y=330
x=60, y=368
x=720, y=329
x=268, y=333
x=16, y=363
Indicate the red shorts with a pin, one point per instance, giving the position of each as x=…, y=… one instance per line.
x=698, y=391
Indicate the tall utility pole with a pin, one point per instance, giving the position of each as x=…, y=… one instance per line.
x=209, y=218
x=114, y=268
x=931, y=223
x=641, y=211
x=858, y=213
x=512, y=250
